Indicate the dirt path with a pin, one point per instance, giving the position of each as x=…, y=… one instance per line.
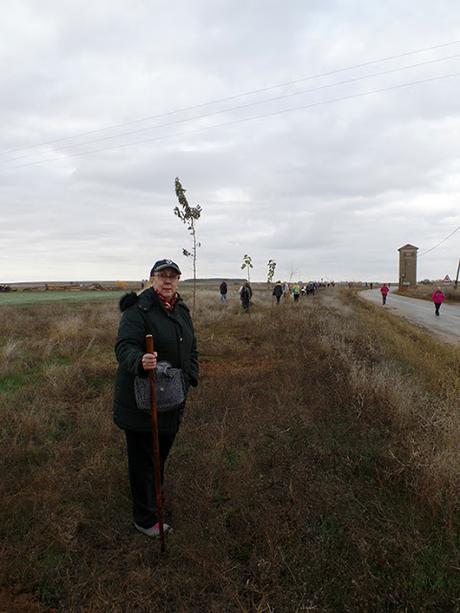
x=421, y=312
x=332, y=299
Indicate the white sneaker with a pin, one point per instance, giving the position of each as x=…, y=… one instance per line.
x=154, y=530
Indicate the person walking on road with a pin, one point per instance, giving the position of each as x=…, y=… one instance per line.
x=160, y=311
x=438, y=298
x=278, y=291
x=223, y=292
x=384, y=291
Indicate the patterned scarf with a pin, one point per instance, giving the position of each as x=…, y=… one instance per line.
x=168, y=304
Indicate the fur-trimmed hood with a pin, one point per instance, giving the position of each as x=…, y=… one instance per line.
x=127, y=300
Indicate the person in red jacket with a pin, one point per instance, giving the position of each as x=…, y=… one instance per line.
x=438, y=298
x=384, y=291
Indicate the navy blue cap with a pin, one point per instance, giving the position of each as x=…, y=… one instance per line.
x=162, y=264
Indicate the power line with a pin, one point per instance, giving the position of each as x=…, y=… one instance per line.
x=236, y=121
x=243, y=106
x=440, y=243
x=236, y=96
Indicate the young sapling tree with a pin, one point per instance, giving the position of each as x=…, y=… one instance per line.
x=247, y=263
x=189, y=215
x=271, y=271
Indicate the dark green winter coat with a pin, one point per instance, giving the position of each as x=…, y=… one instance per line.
x=174, y=342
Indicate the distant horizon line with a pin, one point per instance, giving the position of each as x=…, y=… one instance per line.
x=189, y=280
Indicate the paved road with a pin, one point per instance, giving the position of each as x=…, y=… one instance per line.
x=421, y=312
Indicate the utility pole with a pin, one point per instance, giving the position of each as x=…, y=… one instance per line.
x=458, y=271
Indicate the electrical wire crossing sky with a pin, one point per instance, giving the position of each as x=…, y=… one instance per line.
x=325, y=150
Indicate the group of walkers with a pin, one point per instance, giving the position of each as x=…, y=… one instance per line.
x=245, y=293
x=437, y=297
x=280, y=290
x=296, y=290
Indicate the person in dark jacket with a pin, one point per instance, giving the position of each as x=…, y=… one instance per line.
x=278, y=291
x=223, y=292
x=245, y=295
x=160, y=311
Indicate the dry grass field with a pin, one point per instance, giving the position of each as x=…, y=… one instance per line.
x=424, y=292
x=316, y=468
x=19, y=298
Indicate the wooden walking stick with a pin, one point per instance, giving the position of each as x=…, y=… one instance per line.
x=156, y=444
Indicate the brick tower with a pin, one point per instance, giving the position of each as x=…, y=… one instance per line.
x=407, y=265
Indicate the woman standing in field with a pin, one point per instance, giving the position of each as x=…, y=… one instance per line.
x=159, y=311
x=438, y=298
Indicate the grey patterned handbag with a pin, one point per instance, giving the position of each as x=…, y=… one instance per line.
x=170, y=389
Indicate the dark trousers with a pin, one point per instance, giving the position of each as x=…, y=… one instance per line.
x=141, y=465
x=384, y=298
x=437, y=306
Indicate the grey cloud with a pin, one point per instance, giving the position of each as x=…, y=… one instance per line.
x=306, y=187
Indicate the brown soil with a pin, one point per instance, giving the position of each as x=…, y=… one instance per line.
x=11, y=602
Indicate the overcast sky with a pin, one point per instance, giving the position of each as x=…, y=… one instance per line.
x=104, y=103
